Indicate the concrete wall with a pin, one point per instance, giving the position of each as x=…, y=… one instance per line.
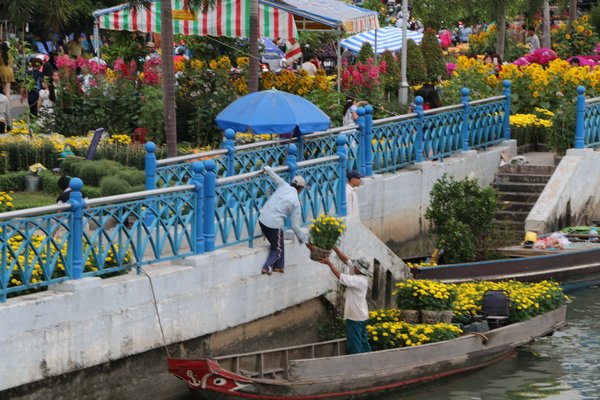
x=83, y=323
x=393, y=205
x=571, y=196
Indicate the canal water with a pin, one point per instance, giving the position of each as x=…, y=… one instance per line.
x=565, y=366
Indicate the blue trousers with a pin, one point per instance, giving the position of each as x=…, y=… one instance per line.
x=357, y=340
x=276, y=253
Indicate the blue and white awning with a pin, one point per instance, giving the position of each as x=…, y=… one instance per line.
x=388, y=38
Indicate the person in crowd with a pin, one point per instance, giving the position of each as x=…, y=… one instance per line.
x=356, y=310
x=349, y=111
x=46, y=106
x=180, y=54
x=74, y=48
x=152, y=53
x=354, y=181
x=534, y=41
x=32, y=95
x=464, y=33
x=284, y=202
x=575, y=62
x=7, y=74
x=64, y=189
x=348, y=55
x=5, y=121
x=309, y=67
x=445, y=39
x=430, y=95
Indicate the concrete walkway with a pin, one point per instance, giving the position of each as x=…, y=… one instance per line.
x=540, y=158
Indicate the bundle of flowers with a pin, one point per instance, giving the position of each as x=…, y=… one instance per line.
x=325, y=231
x=425, y=295
x=577, y=38
x=527, y=299
x=390, y=335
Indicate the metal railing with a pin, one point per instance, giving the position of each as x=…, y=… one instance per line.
x=587, y=132
x=99, y=237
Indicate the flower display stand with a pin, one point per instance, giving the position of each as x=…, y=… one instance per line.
x=431, y=316
x=447, y=316
x=410, y=316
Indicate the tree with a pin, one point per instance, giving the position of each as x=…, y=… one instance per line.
x=433, y=56
x=168, y=64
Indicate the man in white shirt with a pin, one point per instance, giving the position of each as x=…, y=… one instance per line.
x=283, y=202
x=5, y=121
x=356, y=310
x=351, y=196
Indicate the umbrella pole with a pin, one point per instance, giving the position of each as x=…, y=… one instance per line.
x=375, y=46
x=339, y=63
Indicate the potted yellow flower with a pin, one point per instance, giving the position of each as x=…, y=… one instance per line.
x=325, y=233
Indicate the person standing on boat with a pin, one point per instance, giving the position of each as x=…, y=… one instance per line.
x=356, y=310
x=284, y=202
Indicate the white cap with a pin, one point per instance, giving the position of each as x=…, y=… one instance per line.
x=299, y=181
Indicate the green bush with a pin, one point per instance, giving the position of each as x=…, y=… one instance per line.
x=133, y=177
x=13, y=181
x=50, y=182
x=92, y=192
x=391, y=77
x=19, y=155
x=433, y=56
x=366, y=52
x=462, y=215
x=112, y=185
x=70, y=165
x=416, y=70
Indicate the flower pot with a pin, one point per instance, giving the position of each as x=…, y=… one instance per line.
x=431, y=316
x=317, y=253
x=410, y=316
x=32, y=183
x=447, y=316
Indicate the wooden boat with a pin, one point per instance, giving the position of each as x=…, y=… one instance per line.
x=323, y=371
x=577, y=265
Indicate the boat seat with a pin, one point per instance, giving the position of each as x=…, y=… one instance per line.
x=496, y=321
x=254, y=374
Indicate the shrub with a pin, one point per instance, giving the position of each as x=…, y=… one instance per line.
x=13, y=181
x=366, y=52
x=461, y=215
x=391, y=76
x=133, y=177
x=50, y=182
x=112, y=185
x=92, y=192
x=416, y=70
x=433, y=56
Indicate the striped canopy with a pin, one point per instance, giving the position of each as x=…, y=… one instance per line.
x=328, y=14
x=388, y=38
x=228, y=18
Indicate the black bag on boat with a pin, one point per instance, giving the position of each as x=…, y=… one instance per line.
x=495, y=303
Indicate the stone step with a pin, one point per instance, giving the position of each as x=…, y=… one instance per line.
x=524, y=178
x=512, y=215
x=515, y=205
x=520, y=187
x=509, y=228
x=518, y=197
x=527, y=169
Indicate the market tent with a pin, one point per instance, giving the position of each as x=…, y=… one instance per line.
x=327, y=15
x=382, y=39
x=228, y=18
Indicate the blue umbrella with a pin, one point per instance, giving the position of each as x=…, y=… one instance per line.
x=273, y=111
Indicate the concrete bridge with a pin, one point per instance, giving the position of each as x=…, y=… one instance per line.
x=93, y=337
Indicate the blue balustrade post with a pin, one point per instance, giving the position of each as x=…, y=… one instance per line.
x=198, y=182
x=362, y=155
x=464, y=134
x=290, y=161
x=368, y=140
x=341, y=201
x=579, y=131
x=506, y=84
x=76, y=245
x=150, y=165
x=210, y=188
x=229, y=145
x=419, y=112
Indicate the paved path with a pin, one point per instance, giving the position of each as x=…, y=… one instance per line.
x=540, y=158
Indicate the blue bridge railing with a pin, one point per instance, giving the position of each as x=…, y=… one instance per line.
x=587, y=132
x=99, y=237
x=374, y=146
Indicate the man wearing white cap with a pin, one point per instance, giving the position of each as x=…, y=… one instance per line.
x=356, y=310
x=284, y=202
